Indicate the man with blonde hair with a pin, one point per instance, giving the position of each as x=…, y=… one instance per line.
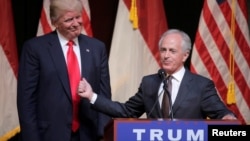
x=50, y=70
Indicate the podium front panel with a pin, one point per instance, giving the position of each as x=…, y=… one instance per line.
x=160, y=130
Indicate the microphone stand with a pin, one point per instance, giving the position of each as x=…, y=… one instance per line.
x=155, y=103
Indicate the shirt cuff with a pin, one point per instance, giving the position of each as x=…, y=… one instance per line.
x=93, y=98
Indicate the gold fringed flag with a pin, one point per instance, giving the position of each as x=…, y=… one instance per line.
x=231, y=93
x=137, y=50
x=9, y=123
x=231, y=87
x=221, y=52
x=133, y=17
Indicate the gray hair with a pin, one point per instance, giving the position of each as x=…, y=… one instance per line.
x=186, y=41
x=59, y=7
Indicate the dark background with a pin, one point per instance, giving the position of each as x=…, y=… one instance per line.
x=181, y=14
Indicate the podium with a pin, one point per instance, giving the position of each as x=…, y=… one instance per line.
x=133, y=129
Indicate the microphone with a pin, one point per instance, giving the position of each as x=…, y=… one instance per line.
x=162, y=74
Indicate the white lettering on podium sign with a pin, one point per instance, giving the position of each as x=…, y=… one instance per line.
x=172, y=135
x=162, y=131
x=156, y=134
x=198, y=136
x=139, y=133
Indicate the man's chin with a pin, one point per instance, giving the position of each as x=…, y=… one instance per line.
x=75, y=34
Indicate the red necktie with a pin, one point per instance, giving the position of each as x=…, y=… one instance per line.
x=74, y=78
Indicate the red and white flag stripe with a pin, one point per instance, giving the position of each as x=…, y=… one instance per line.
x=134, y=52
x=9, y=123
x=45, y=24
x=221, y=51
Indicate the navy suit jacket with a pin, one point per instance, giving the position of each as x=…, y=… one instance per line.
x=196, y=99
x=44, y=97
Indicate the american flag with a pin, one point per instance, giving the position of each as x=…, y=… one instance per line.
x=221, y=52
x=45, y=24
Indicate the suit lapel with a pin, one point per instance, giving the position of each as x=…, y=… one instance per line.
x=58, y=59
x=183, y=91
x=85, y=52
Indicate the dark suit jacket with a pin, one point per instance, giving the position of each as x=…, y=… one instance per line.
x=44, y=97
x=196, y=99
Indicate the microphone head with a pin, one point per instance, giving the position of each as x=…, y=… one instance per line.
x=162, y=73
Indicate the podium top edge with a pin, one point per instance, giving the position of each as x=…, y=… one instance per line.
x=209, y=121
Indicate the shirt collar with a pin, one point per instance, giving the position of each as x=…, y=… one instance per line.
x=179, y=74
x=64, y=41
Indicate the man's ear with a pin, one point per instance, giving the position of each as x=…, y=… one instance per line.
x=186, y=54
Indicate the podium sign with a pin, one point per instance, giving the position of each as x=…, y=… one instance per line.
x=161, y=130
